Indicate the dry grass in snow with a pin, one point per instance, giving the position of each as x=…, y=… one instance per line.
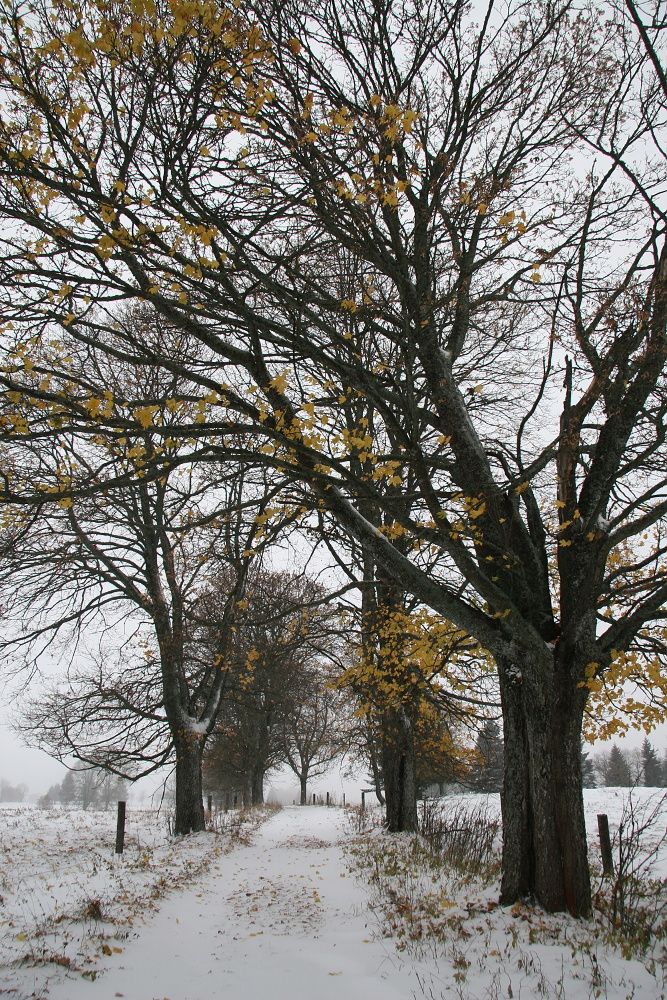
x=436, y=897
x=67, y=900
x=190, y=918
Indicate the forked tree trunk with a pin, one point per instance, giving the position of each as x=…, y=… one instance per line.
x=377, y=777
x=189, y=800
x=544, y=835
x=398, y=766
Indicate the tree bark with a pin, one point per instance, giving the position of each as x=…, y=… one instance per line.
x=257, y=789
x=518, y=862
x=544, y=835
x=569, y=801
x=189, y=796
x=303, y=780
x=398, y=766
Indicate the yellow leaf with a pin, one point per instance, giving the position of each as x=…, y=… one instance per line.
x=409, y=118
x=279, y=383
x=105, y=247
x=52, y=46
x=145, y=414
x=107, y=212
x=294, y=45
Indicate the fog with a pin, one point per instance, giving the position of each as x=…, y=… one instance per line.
x=20, y=764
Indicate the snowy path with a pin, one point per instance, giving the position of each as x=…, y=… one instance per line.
x=279, y=918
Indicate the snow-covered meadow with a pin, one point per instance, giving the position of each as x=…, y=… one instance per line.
x=67, y=900
x=305, y=904
x=446, y=921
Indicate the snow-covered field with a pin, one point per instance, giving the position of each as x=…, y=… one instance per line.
x=447, y=923
x=67, y=901
x=277, y=911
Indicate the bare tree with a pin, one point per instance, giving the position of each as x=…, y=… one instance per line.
x=311, y=731
x=285, y=630
x=135, y=561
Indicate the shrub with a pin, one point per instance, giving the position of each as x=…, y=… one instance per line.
x=463, y=836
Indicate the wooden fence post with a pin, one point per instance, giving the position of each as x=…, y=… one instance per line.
x=328, y=800
x=605, y=845
x=343, y=800
x=120, y=828
x=363, y=800
x=209, y=802
x=314, y=799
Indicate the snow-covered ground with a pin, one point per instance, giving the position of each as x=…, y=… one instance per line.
x=461, y=944
x=281, y=910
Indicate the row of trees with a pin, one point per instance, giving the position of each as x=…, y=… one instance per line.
x=399, y=303
x=280, y=707
x=626, y=769
x=86, y=788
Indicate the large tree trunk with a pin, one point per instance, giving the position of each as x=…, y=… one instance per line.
x=398, y=766
x=257, y=788
x=189, y=800
x=567, y=722
x=303, y=781
x=544, y=836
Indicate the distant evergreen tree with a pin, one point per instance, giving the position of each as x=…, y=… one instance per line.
x=67, y=790
x=651, y=767
x=588, y=776
x=487, y=775
x=617, y=771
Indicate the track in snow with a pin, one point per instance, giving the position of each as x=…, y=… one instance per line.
x=280, y=919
